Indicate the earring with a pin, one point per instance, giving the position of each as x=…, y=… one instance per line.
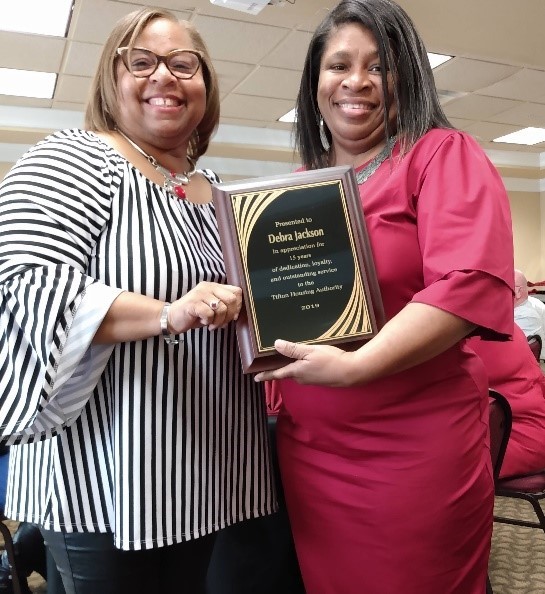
x=323, y=136
x=193, y=143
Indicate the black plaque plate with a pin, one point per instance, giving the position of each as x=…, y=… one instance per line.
x=298, y=247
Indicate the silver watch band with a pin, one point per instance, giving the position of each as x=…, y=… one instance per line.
x=169, y=338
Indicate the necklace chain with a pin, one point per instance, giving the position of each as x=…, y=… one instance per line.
x=366, y=172
x=173, y=181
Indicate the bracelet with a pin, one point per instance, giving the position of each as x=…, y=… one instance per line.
x=169, y=338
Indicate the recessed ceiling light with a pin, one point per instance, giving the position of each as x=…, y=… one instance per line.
x=438, y=59
x=27, y=83
x=527, y=136
x=39, y=17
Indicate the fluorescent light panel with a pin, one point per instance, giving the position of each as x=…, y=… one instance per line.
x=42, y=17
x=288, y=117
x=435, y=60
x=528, y=136
x=27, y=83
x=438, y=59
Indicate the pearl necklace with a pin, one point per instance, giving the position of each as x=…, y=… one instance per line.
x=366, y=172
x=174, y=182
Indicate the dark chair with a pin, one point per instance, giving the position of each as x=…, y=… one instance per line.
x=4, y=530
x=530, y=488
x=500, y=420
x=8, y=544
x=500, y=428
x=535, y=343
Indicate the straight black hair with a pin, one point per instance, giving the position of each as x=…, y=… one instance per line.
x=401, y=50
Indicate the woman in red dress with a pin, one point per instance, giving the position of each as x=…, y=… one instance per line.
x=384, y=451
x=514, y=372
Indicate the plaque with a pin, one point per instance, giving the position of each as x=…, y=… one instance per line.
x=297, y=246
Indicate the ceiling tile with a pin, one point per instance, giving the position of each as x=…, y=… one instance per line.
x=500, y=31
x=74, y=89
x=258, y=123
x=448, y=96
x=81, y=59
x=540, y=99
x=93, y=19
x=31, y=52
x=462, y=74
x=290, y=53
x=24, y=101
x=523, y=115
x=231, y=74
x=461, y=123
x=176, y=6
x=222, y=35
x=271, y=82
x=477, y=107
x=487, y=131
x=256, y=108
x=524, y=85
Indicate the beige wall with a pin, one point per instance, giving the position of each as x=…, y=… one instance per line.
x=527, y=225
x=4, y=168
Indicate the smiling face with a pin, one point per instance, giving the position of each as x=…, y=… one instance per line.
x=161, y=111
x=350, y=94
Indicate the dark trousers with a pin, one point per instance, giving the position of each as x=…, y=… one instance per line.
x=90, y=564
x=257, y=556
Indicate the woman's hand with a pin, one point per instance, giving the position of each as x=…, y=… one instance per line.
x=208, y=304
x=416, y=334
x=137, y=317
x=314, y=364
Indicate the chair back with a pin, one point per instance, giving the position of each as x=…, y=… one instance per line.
x=4, y=530
x=535, y=343
x=500, y=419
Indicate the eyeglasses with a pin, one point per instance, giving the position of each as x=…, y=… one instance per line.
x=141, y=62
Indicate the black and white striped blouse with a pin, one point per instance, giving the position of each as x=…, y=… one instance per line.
x=155, y=443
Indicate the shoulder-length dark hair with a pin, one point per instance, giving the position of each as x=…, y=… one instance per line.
x=102, y=109
x=402, y=51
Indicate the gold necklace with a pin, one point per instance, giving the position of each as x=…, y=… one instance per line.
x=174, y=182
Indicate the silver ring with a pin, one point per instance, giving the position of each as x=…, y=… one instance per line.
x=214, y=304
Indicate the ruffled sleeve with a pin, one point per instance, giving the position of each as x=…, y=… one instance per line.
x=53, y=205
x=465, y=234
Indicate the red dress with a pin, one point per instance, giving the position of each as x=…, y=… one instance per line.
x=514, y=372
x=389, y=486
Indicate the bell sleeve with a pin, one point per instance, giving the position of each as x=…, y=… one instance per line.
x=465, y=234
x=54, y=204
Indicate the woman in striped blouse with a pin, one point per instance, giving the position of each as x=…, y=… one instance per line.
x=137, y=434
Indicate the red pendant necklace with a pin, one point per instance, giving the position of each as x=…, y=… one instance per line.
x=174, y=182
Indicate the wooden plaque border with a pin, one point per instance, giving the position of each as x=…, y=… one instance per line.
x=254, y=359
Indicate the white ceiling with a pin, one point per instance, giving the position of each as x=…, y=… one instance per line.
x=494, y=85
